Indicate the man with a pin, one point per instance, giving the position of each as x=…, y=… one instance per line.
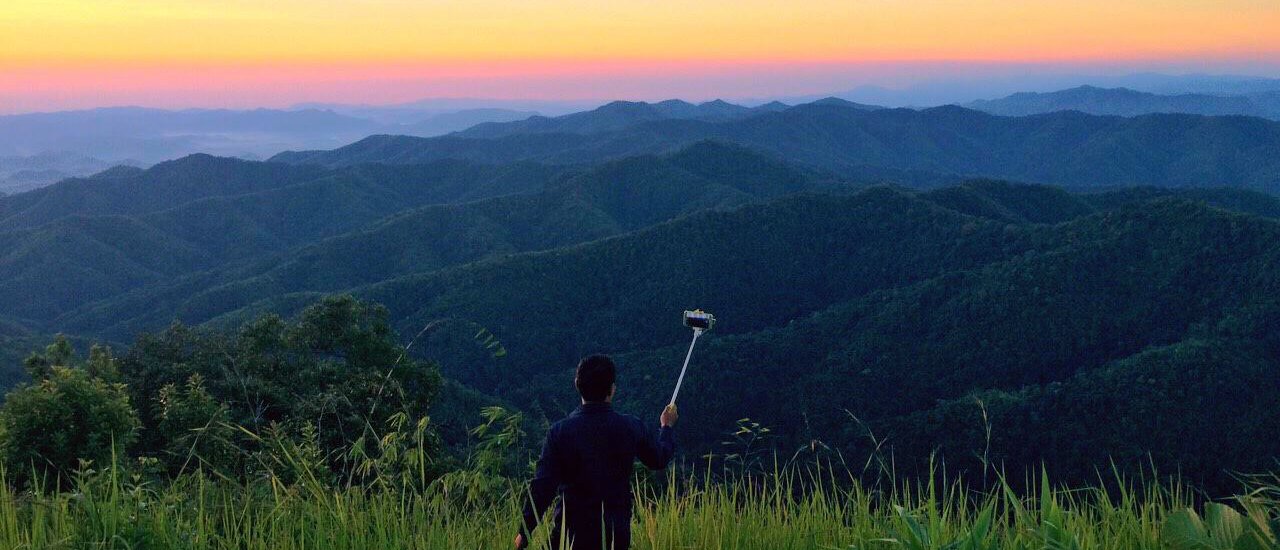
x=587, y=460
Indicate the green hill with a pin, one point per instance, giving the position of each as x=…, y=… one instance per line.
x=164, y=186
x=759, y=265
x=898, y=306
x=81, y=241
x=1203, y=407
x=76, y=260
x=887, y=305
x=252, y=225
x=607, y=200
x=1104, y=308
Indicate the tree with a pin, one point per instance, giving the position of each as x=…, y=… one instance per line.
x=337, y=366
x=71, y=412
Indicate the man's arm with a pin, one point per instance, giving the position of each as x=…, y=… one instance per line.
x=656, y=452
x=542, y=489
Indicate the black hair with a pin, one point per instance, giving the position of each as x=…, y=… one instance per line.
x=595, y=378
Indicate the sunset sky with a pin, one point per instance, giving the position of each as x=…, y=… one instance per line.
x=237, y=53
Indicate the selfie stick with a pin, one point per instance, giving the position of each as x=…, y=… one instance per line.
x=700, y=321
x=696, y=333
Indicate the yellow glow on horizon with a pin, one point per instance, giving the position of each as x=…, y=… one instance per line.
x=198, y=32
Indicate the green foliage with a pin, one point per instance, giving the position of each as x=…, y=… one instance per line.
x=1222, y=528
x=498, y=439
x=496, y=456
x=300, y=399
x=71, y=414
x=795, y=506
x=163, y=186
x=39, y=366
x=56, y=267
x=898, y=309
x=335, y=373
x=406, y=457
x=16, y=345
x=745, y=449
x=290, y=455
x=196, y=429
x=1007, y=202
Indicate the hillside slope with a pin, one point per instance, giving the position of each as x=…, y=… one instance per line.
x=1138, y=332
x=897, y=306
x=80, y=241
x=613, y=198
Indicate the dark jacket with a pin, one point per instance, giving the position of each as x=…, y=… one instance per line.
x=587, y=460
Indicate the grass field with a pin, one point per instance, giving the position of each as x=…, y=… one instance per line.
x=791, y=507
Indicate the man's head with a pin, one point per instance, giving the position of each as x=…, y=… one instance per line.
x=595, y=378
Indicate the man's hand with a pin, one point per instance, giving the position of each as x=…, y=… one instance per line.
x=520, y=541
x=669, y=416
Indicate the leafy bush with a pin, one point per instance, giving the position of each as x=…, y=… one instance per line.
x=336, y=373
x=196, y=428
x=70, y=413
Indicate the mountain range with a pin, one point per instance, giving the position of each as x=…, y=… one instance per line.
x=864, y=262
x=925, y=147
x=57, y=143
x=1126, y=102
x=959, y=89
x=620, y=115
x=144, y=136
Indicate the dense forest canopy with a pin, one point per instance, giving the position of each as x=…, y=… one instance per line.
x=872, y=298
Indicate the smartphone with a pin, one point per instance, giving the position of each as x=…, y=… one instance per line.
x=698, y=319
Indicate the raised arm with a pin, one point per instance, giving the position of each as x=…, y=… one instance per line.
x=655, y=452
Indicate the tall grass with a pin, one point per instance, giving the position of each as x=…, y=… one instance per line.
x=793, y=506
x=745, y=499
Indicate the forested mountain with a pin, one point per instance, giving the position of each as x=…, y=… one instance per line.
x=59, y=265
x=901, y=308
x=166, y=185
x=912, y=147
x=1126, y=102
x=1117, y=335
x=83, y=240
x=508, y=257
x=931, y=306
x=613, y=198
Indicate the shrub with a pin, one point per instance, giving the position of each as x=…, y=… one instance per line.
x=71, y=413
x=197, y=428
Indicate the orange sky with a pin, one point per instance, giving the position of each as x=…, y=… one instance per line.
x=59, y=51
